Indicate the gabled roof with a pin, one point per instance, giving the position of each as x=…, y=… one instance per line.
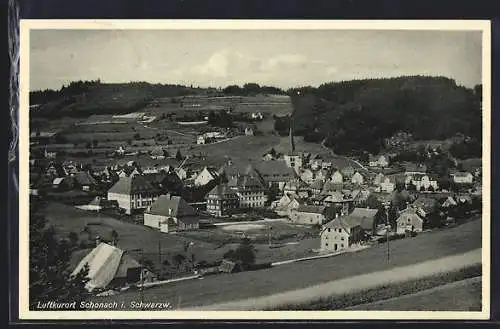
x=221, y=190
x=426, y=204
x=334, y=197
x=410, y=210
x=362, y=217
x=311, y=209
x=275, y=170
x=133, y=185
x=58, y=180
x=105, y=262
x=166, y=203
x=84, y=178
x=461, y=174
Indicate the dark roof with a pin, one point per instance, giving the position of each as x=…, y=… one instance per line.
x=311, y=209
x=84, y=178
x=426, y=204
x=359, y=217
x=180, y=208
x=221, y=190
x=189, y=219
x=275, y=170
x=414, y=167
x=132, y=185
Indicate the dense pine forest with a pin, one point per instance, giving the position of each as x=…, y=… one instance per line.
x=358, y=115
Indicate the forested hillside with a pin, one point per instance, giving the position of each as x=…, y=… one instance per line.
x=85, y=98
x=353, y=116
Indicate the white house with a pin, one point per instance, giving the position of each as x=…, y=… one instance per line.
x=257, y=116
x=307, y=176
x=381, y=161
x=171, y=212
x=357, y=179
x=387, y=185
x=201, y=140
x=337, y=178
x=133, y=193
x=463, y=178
x=306, y=214
x=207, y=175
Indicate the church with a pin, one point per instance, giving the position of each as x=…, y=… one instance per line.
x=292, y=158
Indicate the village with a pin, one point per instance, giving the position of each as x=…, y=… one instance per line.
x=192, y=214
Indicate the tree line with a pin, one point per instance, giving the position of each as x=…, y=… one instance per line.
x=359, y=115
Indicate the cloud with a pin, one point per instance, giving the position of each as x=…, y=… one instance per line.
x=216, y=65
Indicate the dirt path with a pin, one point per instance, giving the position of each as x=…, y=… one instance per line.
x=349, y=285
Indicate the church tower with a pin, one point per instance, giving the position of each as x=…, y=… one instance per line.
x=292, y=159
x=292, y=143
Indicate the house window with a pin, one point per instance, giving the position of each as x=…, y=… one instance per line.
x=328, y=229
x=342, y=245
x=326, y=244
x=342, y=239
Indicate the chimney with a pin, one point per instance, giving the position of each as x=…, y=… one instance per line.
x=97, y=240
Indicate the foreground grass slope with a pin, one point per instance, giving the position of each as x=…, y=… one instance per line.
x=223, y=288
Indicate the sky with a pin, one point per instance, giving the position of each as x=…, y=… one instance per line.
x=281, y=58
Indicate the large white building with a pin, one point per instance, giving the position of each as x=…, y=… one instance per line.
x=133, y=193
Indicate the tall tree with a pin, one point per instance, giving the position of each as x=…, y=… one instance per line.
x=50, y=276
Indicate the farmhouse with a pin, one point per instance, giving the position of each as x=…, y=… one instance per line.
x=207, y=175
x=339, y=234
x=347, y=230
x=449, y=202
x=249, y=131
x=409, y=220
x=337, y=178
x=357, y=179
x=133, y=193
x=169, y=213
x=296, y=185
x=381, y=161
x=84, y=180
x=411, y=168
x=316, y=187
x=425, y=206
x=158, y=153
x=378, y=179
x=463, y=178
x=222, y=201
x=110, y=266
x=287, y=204
x=387, y=185
x=307, y=176
x=201, y=140
x=275, y=173
x=62, y=183
x=306, y=214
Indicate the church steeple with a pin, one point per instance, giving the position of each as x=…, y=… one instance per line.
x=292, y=143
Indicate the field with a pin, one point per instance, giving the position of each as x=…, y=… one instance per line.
x=210, y=244
x=464, y=295
x=218, y=289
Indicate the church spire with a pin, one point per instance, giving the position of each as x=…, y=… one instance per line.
x=292, y=143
